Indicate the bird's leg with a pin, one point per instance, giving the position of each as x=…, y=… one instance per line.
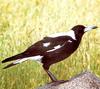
x=52, y=77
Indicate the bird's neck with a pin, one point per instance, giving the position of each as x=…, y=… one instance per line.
x=79, y=38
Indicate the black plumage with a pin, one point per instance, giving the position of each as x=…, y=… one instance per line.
x=52, y=49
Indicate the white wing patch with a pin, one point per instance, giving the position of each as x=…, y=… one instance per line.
x=46, y=44
x=69, y=41
x=35, y=58
x=69, y=33
x=56, y=47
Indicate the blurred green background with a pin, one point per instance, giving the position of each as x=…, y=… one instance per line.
x=23, y=22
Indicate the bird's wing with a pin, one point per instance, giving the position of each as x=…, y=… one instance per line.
x=49, y=43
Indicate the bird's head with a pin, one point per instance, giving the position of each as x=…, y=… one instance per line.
x=79, y=30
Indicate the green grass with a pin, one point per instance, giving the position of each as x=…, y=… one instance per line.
x=23, y=22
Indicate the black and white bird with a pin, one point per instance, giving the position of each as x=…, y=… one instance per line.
x=52, y=49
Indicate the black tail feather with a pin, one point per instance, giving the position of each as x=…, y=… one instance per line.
x=10, y=65
x=7, y=59
x=19, y=56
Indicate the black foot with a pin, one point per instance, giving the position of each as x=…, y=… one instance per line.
x=55, y=83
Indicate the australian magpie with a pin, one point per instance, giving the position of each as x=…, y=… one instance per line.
x=52, y=49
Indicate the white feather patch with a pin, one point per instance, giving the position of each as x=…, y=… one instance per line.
x=35, y=58
x=46, y=44
x=69, y=41
x=56, y=47
x=69, y=33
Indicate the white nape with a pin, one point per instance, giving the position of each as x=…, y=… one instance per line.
x=46, y=44
x=56, y=47
x=69, y=33
x=35, y=58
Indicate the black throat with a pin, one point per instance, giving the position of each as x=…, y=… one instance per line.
x=79, y=37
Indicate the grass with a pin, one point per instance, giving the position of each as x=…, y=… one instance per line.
x=23, y=22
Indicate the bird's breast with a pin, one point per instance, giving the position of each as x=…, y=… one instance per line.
x=52, y=57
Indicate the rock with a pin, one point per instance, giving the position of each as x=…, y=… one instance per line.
x=85, y=80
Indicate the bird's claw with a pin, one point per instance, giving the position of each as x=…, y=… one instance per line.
x=55, y=83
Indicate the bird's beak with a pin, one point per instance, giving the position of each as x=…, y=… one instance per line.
x=88, y=28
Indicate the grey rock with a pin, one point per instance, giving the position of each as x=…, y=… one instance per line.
x=85, y=80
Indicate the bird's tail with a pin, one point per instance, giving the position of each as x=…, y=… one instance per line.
x=9, y=65
x=18, y=56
